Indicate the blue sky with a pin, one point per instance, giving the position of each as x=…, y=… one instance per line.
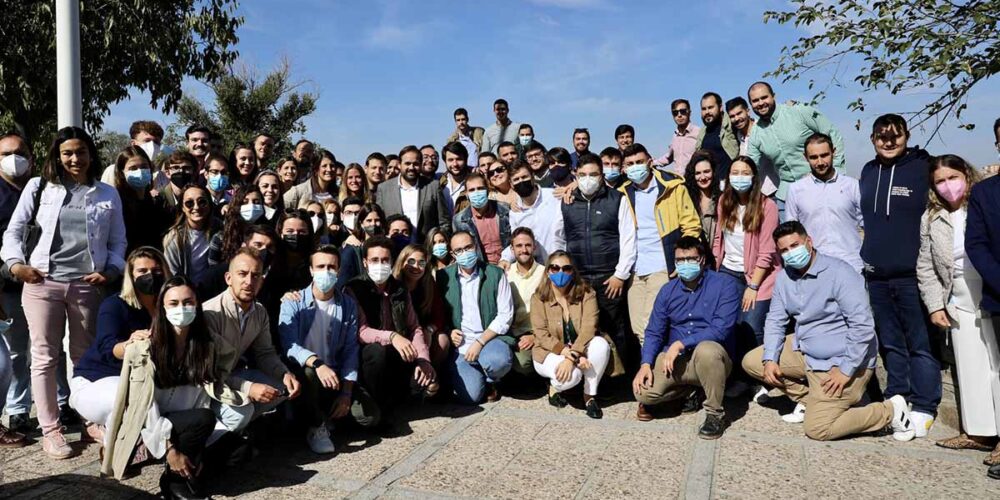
x=390, y=72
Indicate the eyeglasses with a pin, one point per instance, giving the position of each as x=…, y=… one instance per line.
x=687, y=260
x=201, y=202
x=496, y=171
x=566, y=269
x=681, y=111
x=416, y=263
x=460, y=251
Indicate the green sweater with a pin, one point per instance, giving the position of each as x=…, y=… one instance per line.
x=451, y=289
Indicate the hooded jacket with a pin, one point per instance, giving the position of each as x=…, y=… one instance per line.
x=893, y=200
x=675, y=213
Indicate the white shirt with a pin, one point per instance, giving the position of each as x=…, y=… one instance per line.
x=733, y=242
x=471, y=147
x=410, y=197
x=317, y=340
x=769, y=185
x=958, y=241
x=472, y=324
x=545, y=219
x=452, y=192
x=649, y=246
x=626, y=241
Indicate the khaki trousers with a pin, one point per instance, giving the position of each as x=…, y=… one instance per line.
x=827, y=417
x=707, y=367
x=641, y=296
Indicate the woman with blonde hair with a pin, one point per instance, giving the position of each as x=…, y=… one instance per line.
x=354, y=183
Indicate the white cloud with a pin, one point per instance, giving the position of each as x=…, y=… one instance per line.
x=395, y=37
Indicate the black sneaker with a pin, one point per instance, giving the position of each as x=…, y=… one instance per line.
x=21, y=423
x=993, y=472
x=557, y=400
x=712, y=428
x=593, y=410
x=693, y=402
x=68, y=417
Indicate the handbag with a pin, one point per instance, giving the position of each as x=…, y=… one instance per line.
x=33, y=231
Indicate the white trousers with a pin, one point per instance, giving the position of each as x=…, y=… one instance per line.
x=94, y=401
x=598, y=353
x=977, y=359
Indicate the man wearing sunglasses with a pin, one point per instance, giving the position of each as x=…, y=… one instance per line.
x=685, y=136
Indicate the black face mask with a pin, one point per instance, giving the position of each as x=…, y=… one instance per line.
x=265, y=257
x=180, y=179
x=559, y=174
x=294, y=242
x=149, y=284
x=400, y=241
x=372, y=230
x=524, y=188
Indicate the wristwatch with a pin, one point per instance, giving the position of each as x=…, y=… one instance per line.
x=753, y=287
x=318, y=363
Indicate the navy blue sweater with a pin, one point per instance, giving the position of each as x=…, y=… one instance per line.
x=982, y=239
x=116, y=321
x=893, y=198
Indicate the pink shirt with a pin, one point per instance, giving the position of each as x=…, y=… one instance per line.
x=759, y=249
x=681, y=149
x=488, y=228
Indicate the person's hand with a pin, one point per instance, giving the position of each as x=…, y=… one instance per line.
x=473, y=353
x=404, y=347
x=613, y=287
x=180, y=464
x=293, y=296
x=940, y=319
x=457, y=337
x=584, y=364
x=772, y=374
x=503, y=264
x=224, y=210
x=564, y=370
x=670, y=356
x=643, y=379
x=263, y=393
x=749, y=298
x=835, y=381
x=139, y=335
x=341, y=406
x=527, y=341
x=96, y=279
x=328, y=378
x=27, y=274
x=292, y=385
x=424, y=373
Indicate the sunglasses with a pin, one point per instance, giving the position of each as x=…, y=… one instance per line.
x=201, y=202
x=416, y=263
x=682, y=111
x=566, y=269
x=496, y=171
x=313, y=213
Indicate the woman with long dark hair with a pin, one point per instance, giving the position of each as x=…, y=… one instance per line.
x=242, y=166
x=187, y=242
x=145, y=214
x=246, y=208
x=269, y=184
x=699, y=178
x=369, y=221
x=319, y=187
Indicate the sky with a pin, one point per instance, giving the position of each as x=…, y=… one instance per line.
x=391, y=72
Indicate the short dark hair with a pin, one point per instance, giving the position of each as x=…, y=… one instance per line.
x=506, y=144
x=526, y=126
x=197, y=128
x=500, y=101
x=460, y=111
x=487, y=154
x=522, y=230
x=396, y=218
x=376, y=156
x=690, y=243
x=390, y=157
x=327, y=249
x=588, y=159
x=718, y=98
x=518, y=165
x=456, y=148
x=560, y=155
x=535, y=145
x=760, y=83
x=612, y=152
x=890, y=120
x=476, y=175
x=352, y=200
x=17, y=135
x=263, y=134
x=735, y=103
x=426, y=146
x=634, y=149
x=581, y=131
x=410, y=149
x=789, y=227
x=818, y=138
x=623, y=128
x=261, y=229
x=301, y=141
x=375, y=242
x=675, y=102
x=457, y=233
x=150, y=127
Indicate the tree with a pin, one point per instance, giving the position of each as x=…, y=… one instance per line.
x=942, y=48
x=150, y=46
x=109, y=144
x=246, y=105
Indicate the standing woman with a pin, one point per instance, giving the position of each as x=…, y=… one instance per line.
x=744, y=249
x=269, y=184
x=699, y=178
x=952, y=289
x=568, y=347
x=354, y=183
x=80, y=247
x=288, y=172
x=145, y=214
x=186, y=244
x=247, y=207
x=370, y=221
x=439, y=246
x=242, y=166
x=320, y=186
x=411, y=270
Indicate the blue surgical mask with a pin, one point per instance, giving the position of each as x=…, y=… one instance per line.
x=612, y=174
x=741, y=183
x=688, y=271
x=560, y=279
x=218, y=182
x=524, y=139
x=479, y=198
x=637, y=173
x=467, y=259
x=325, y=280
x=439, y=250
x=251, y=212
x=796, y=258
x=138, y=179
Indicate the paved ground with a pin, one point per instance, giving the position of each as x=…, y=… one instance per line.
x=524, y=448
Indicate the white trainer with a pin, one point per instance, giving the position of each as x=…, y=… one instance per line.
x=319, y=442
x=763, y=395
x=902, y=422
x=797, y=416
x=922, y=423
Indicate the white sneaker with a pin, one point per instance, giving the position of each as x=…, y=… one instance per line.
x=318, y=439
x=763, y=396
x=797, y=416
x=922, y=422
x=902, y=423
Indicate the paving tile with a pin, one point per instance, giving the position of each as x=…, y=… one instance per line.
x=757, y=468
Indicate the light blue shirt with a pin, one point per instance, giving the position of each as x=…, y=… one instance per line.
x=649, y=246
x=472, y=323
x=296, y=319
x=833, y=320
x=831, y=214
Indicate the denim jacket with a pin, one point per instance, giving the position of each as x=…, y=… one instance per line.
x=296, y=320
x=105, y=227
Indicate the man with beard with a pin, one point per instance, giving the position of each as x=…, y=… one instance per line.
x=581, y=146
x=429, y=162
x=717, y=136
x=503, y=130
x=682, y=146
x=536, y=156
x=198, y=139
x=538, y=210
x=416, y=197
x=453, y=182
x=263, y=147
x=470, y=137
x=304, y=155
x=779, y=135
x=739, y=117
x=507, y=154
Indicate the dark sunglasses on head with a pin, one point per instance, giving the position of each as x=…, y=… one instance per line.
x=201, y=202
x=682, y=111
x=555, y=269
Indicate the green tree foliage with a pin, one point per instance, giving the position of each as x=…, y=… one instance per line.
x=246, y=105
x=124, y=44
x=934, y=50
x=110, y=144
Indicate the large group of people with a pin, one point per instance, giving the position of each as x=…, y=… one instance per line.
x=209, y=293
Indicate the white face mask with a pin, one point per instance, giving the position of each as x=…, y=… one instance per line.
x=180, y=316
x=379, y=273
x=317, y=223
x=151, y=148
x=14, y=165
x=350, y=220
x=589, y=185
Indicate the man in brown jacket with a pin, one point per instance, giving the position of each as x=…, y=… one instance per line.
x=470, y=137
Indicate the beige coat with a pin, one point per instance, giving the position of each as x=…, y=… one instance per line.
x=222, y=315
x=936, y=261
x=547, y=327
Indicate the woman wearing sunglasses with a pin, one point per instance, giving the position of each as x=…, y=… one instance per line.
x=499, y=177
x=568, y=348
x=186, y=244
x=411, y=270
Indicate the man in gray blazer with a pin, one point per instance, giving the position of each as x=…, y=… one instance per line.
x=417, y=198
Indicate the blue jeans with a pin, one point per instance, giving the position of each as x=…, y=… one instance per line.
x=470, y=379
x=750, y=324
x=5, y=372
x=19, y=345
x=905, y=345
x=781, y=209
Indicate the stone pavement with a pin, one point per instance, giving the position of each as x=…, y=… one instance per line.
x=526, y=449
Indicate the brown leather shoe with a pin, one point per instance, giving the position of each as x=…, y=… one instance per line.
x=642, y=414
x=492, y=394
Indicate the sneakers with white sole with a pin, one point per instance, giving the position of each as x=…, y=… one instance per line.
x=922, y=423
x=762, y=396
x=319, y=442
x=54, y=445
x=902, y=422
x=797, y=416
